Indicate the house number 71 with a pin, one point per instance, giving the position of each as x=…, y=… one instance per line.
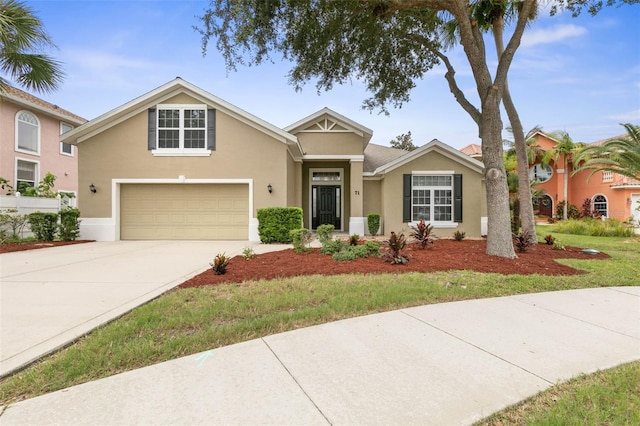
x=357, y=192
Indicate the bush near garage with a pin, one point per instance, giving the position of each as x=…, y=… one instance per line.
x=276, y=223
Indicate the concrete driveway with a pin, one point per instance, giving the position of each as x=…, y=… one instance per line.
x=52, y=296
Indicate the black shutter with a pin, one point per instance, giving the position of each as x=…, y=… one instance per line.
x=211, y=129
x=457, y=198
x=406, y=198
x=151, y=137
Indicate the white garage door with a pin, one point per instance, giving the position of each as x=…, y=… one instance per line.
x=184, y=212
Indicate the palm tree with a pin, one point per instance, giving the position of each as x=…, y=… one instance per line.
x=619, y=155
x=22, y=40
x=564, y=148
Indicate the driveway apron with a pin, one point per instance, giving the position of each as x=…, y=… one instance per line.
x=52, y=296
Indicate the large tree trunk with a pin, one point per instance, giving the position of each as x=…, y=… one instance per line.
x=527, y=217
x=499, y=239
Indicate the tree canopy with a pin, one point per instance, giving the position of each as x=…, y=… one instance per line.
x=22, y=43
x=388, y=45
x=619, y=155
x=403, y=141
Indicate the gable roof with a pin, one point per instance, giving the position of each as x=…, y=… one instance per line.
x=434, y=145
x=379, y=155
x=345, y=123
x=167, y=91
x=28, y=100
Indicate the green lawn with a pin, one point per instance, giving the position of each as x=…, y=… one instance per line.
x=187, y=321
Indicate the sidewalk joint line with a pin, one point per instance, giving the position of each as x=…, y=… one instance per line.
x=478, y=347
x=296, y=381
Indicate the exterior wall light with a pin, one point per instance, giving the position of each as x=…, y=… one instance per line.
x=92, y=188
x=270, y=188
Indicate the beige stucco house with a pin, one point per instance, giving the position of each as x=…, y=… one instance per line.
x=30, y=144
x=181, y=163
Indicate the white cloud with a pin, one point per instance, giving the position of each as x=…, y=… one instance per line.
x=552, y=34
x=627, y=117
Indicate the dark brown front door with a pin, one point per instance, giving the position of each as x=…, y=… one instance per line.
x=326, y=205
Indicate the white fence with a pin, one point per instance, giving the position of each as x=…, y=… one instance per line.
x=26, y=205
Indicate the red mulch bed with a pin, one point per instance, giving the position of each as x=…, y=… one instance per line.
x=444, y=255
x=8, y=248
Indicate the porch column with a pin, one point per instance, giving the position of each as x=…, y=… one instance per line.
x=356, y=220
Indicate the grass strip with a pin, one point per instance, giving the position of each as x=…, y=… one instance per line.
x=188, y=321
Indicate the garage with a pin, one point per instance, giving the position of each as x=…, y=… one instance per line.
x=184, y=211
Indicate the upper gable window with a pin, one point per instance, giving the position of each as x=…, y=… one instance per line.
x=27, y=133
x=182, y=130
x=65, y=148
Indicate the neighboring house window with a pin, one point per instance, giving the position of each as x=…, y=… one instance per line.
x=27, y=133
x=600, y=205
x=181, y=130
x=607, y=176
x=65, y=148
x=432, y=198
x=540, y=173
x=26, y=174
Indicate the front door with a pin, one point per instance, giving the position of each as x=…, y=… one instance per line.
x=326, y=205
x=544, y=205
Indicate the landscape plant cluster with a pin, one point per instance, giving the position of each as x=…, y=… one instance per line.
x=64, y=225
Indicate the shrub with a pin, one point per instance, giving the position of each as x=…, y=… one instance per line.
x=248, y=253
x=219, y=264
x=373, y=247
x=423, y=233
x=300, y=238
x=594, y=227
x=354, y=239
x=274, y=223
x=344, y=255
x=43, y=225
x=69, y=227
x=572, y=210
x=522, y=241
x=459, y=235
x=333, y=246
x=586, y=210
x=324, y=233
x=395, y=244
x=549, y=239
x=14, y=221
x=373, y=222
x=557, y=245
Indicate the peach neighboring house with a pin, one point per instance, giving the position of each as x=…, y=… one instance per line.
x=30, y=146
x=611, y=195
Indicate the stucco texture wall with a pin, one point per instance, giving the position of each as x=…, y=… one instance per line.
x=242, y=152
x=473, y=194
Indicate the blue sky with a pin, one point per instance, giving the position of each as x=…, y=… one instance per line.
x=581, y=75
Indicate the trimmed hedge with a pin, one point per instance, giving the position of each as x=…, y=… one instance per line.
x=69, y=228
x=43, y=225
x=275, y=223
x=373, y=222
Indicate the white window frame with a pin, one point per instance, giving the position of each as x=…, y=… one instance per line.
x=62, y=144
x=37, y=172
x=431, y=190
x=606, y=200
x=532, y=173
x=181, y=150
x=17, y=135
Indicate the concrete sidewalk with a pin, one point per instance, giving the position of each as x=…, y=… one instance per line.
x=52, y=296
x=444, y=364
